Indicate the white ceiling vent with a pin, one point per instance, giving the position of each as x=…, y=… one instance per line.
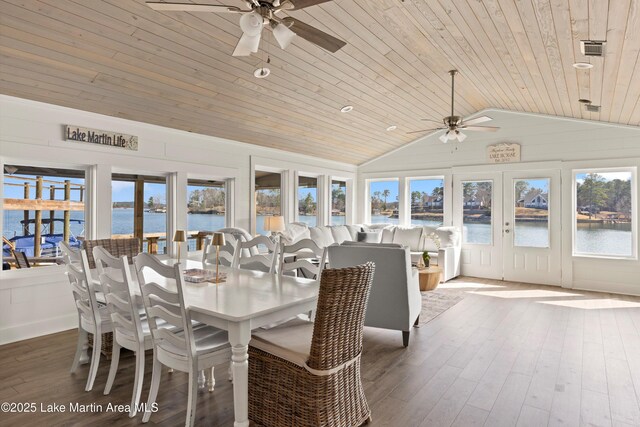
x=592, y=47
x=592, y=108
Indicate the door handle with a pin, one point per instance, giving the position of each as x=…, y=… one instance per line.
x=507, y=231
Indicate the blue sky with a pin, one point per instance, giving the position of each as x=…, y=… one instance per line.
x=422, y=185
x=608, y=176
x=13, y=192
x=302, y=193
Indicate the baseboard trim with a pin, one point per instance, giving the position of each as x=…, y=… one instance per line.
x=609, y=287
x=37, y=329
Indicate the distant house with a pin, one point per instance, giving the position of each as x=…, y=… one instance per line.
x=535, y=199
x=472, y=202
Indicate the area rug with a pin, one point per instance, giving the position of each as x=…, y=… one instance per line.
x=436, y=302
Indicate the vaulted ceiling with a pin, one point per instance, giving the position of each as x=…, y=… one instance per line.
x=175, y=69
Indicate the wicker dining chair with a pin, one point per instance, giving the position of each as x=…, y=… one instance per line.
x=116, y=247
x=308, y=374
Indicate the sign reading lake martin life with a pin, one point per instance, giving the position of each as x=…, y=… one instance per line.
x=102, y=137
x=503, y=153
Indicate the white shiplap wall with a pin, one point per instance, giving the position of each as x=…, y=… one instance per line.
x=547, y=142
x=38, y=301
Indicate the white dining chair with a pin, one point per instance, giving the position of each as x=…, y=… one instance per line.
x=226, y=252
x=70, y=255
x=192, y=349
x=93, y=317
x=247, y=256
x=304, y=255
x=129, y=330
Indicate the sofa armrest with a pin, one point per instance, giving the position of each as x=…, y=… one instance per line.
x=449, y=261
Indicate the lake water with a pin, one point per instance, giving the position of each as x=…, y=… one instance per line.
x=611, y=239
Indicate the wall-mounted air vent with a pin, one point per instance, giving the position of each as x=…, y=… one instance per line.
x=592, y=108
x=592, y=47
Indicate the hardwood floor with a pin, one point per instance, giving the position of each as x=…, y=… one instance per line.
x=507, y=355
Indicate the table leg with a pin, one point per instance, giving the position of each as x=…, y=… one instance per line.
x=239, y=336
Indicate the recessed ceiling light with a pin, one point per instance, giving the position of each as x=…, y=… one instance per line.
x=582, y=65
x=584, y=101
x=261, y=73
x=346, y=109
x=392, y=128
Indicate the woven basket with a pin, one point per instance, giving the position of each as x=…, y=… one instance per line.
x=107, y=344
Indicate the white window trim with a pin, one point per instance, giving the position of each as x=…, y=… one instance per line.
x=634, y=212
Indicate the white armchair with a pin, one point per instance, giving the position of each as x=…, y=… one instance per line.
x=395, y=301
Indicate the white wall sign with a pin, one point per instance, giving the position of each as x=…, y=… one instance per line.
x=503, y=153
x=102, y=137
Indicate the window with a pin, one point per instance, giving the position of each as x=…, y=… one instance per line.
x=338, y=202
x=476, y=212
x=308, y=200
x=384, y=201
x=268, y=197
x=532, y=204
x=38, y=233
x=603, y=215
x=206, y=209
x=427, y=201
x=139, y=209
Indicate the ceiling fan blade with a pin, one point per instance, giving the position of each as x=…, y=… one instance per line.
x=301, y=4
x=477, y=120
x=193, y=7
x=480, y=128
x=314, y=35
x=247, y=45
x=425, y=130
x=434, y=121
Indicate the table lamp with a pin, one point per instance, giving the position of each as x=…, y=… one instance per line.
x=218, y=241
x=274, y=224
x=179, y=237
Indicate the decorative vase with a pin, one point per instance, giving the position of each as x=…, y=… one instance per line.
x=426, y=258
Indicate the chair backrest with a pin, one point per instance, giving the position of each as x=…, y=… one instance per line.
x=339, y=321
x=70, y=255
x=82, y=288
x=116, y=247
x=395, y=299
x=304, y=251
x=115, y=279
x=161, y=287
x=226, y=252
x=261, y=262
x=21, y=259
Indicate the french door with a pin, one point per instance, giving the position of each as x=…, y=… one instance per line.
x=510, y=224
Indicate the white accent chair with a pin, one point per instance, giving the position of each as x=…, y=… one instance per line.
x=256, y=261
x=395, y=301
x=93, y=318
x=303, y=251
x=129, y=330
x=192, y=349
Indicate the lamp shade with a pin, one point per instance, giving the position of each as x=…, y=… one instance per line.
x=180, y=236
x=274, y=223
x=218, y=239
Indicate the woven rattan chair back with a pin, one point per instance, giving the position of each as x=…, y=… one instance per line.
x=21, y=259
x=116, y=247
x=339, y=322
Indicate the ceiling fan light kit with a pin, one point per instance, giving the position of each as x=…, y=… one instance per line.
x=453, y=124
x=261, y=14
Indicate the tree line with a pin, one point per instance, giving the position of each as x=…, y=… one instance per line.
x=597, y=194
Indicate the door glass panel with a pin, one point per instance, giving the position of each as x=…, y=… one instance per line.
x=476, y=218
x=531, y=222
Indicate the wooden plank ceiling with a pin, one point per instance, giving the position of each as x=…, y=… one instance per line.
x=175, y=69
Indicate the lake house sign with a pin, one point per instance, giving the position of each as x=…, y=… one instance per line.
x=102, y=137
x=503, y=153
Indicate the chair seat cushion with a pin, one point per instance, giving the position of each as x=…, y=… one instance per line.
x=290, y=341
x=207, y=338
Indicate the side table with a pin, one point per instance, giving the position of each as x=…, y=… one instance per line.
x=429, y=278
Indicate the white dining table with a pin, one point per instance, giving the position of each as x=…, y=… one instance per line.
x=245, y=301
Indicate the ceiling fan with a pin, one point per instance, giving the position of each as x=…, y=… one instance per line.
x=454, y=124
x=260, y=14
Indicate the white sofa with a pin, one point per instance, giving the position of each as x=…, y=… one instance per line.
x=394, y=301
x=415, y=238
